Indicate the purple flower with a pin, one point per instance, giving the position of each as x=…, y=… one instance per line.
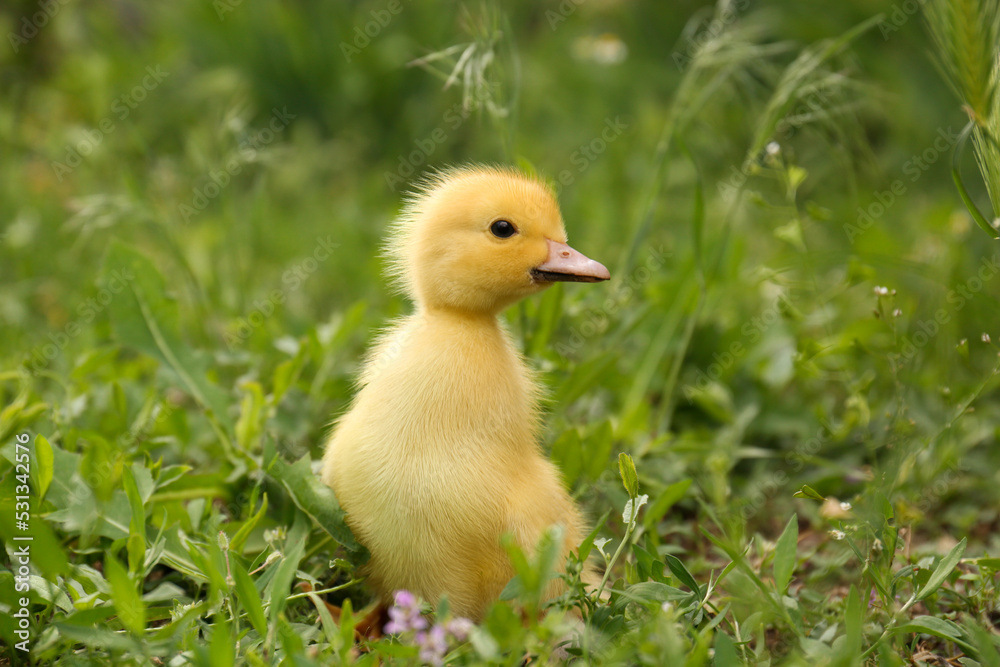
x=433, y=645
x=459, y=628
x=404, y=615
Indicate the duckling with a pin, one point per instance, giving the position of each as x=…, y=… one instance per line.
x=438, y=456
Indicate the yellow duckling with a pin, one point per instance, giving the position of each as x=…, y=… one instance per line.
x=438, y=456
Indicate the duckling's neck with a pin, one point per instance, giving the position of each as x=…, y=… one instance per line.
x=457, y=316
x=455, y=381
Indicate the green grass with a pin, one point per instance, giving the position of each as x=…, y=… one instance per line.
x=798, y=351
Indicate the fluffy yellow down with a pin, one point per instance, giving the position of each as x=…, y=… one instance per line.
x=438, y=455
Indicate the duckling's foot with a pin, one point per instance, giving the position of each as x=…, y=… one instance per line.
x=370, y=627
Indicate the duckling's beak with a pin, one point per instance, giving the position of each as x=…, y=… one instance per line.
x=566, y=264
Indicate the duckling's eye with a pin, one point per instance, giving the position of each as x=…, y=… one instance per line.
x=503, y=229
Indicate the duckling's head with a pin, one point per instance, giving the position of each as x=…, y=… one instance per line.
x=477, y=239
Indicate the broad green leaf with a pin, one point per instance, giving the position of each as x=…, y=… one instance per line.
x=329, y=626
x=939, y=627
x=347, y=623
x=523, y=577
x=987, y=647
x=808, y=492
x=681, y=572
x=240, y=538
x=643, y=562
x=785, y=554
x=137, y=525
x=943, y=569
x=44, y=466
x=725, y=651
x=249, y=596
x=646, y=592
x=89, y=617
x=47, y=552
x=96, y=637
x=17, y=414
x=284, y=575
x=222, y=651
x=130, y=607
x=854, y=617
x=252, y=415
x=144, y=317
x=313, y=497
x=135, y=546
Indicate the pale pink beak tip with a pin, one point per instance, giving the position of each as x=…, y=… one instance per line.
x=566, y=264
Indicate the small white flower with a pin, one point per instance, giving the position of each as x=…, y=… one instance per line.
x=837, y=534
x=272, y=535
x=666, y=607
x=773, y=148
x=986, y=338
x=271, y=557
x=881, y=291
x=846, y=506
x=897, y=312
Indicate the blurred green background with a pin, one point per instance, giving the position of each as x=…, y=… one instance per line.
x=255, y=152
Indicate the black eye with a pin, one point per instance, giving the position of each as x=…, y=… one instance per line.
x=503, y=229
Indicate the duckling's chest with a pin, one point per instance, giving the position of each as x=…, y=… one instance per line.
x=436, y=392
x=448, y=378
x=446, y=419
